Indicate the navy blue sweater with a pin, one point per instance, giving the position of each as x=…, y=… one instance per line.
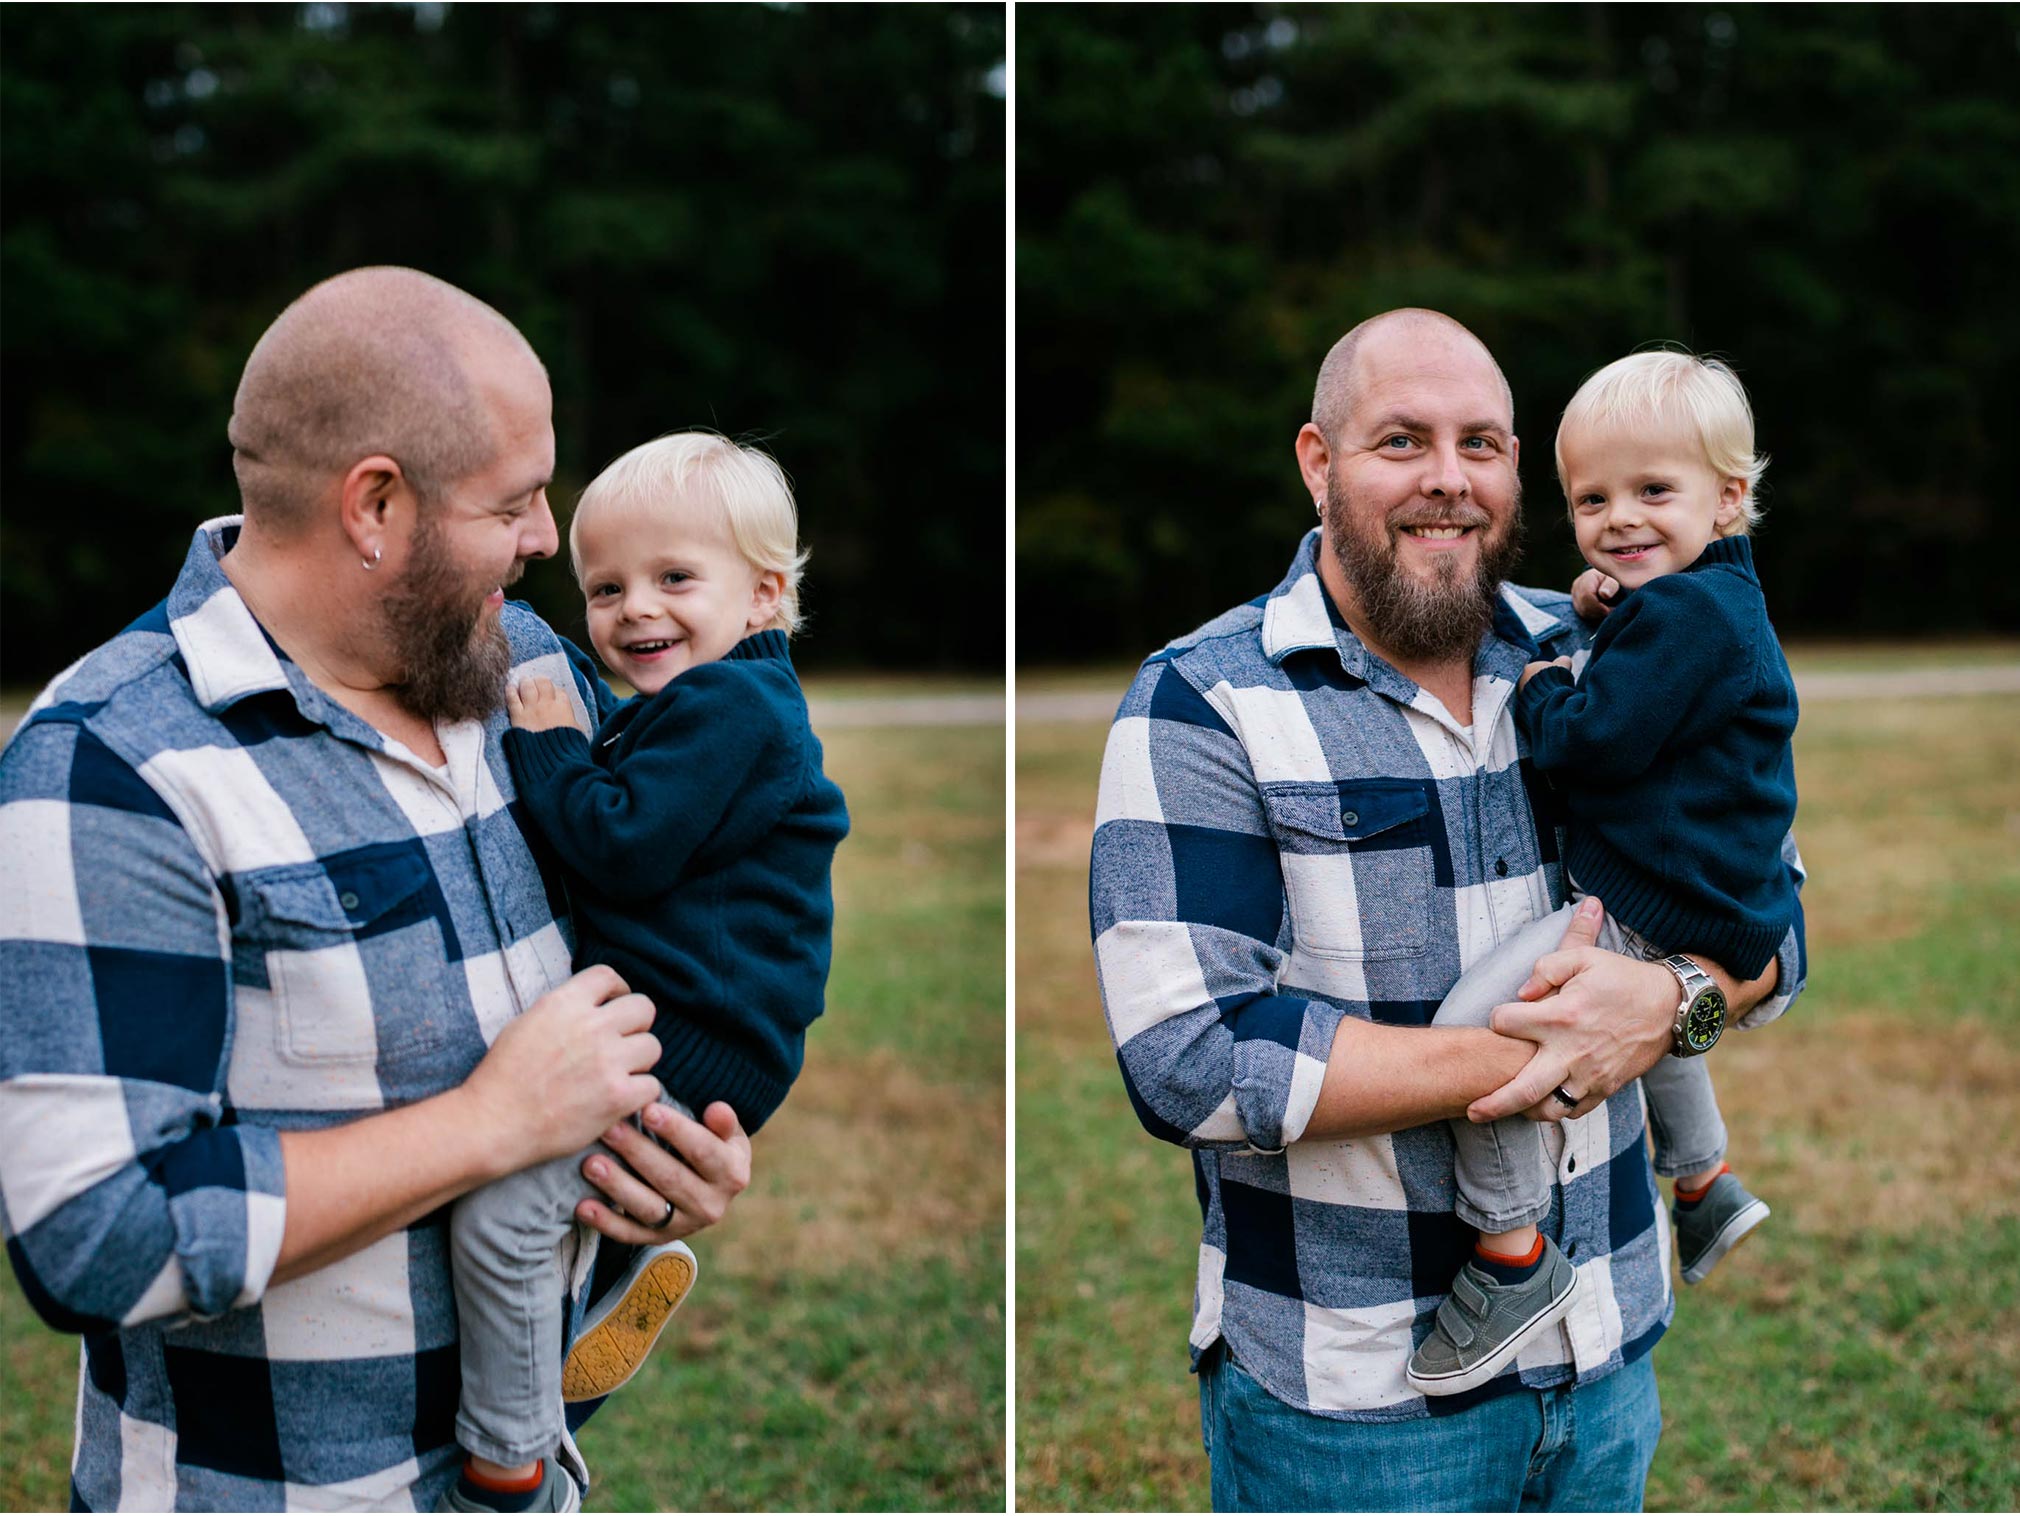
x=1672, y=754
x=697, y=832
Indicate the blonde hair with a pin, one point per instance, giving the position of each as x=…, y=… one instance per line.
x=1669, y=387
x=747, y=488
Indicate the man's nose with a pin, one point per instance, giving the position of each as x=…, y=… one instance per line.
x=1444, y=476
x=538, y=536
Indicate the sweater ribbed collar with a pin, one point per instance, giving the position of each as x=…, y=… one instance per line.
x=770, y=643
x=1727, y=552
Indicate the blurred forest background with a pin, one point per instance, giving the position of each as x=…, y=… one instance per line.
x=782, y=222
x=1208, y=196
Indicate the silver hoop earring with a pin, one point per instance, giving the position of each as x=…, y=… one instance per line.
x=373, y=561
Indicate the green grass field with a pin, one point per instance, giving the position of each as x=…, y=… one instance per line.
x=844, y=1347
x=1859, y=1354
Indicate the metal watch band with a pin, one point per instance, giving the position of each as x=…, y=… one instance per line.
x=1692, y=982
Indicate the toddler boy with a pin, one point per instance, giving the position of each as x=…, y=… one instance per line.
x=1671, y=752
x=696, y=831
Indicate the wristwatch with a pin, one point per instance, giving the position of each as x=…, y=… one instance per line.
x=1700, y=1014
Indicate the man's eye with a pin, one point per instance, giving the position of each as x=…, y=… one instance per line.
x=1398, y=441
x=1478, y=444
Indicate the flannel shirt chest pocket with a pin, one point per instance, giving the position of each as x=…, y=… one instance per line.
x=352, y=952
x=1357, y=866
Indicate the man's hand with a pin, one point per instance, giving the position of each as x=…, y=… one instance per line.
x=707, y=1169
x=1535, y=668
x=535, y=705
x=1598, y=1020
x=580, y=1058
x=1593, y=595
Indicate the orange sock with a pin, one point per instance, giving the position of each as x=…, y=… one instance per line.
x=1508, y=1268
x=506, y=1486
x=1692, y=1197
x=1514, y=1260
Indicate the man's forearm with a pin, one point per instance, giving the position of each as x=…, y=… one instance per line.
x=1387, y=1078
x=350, y=1185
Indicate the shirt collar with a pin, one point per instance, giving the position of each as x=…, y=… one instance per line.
x=228, y=654
x=1299, y=616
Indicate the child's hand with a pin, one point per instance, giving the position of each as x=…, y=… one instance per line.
x=536, y=705
x=1593, y=594
x=1530, y=672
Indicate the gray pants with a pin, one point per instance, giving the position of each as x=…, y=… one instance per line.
x=1503, y=1177
x=505, y=1256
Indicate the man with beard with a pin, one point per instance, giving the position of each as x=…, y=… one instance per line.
x=1314, y=814
x=284, y=978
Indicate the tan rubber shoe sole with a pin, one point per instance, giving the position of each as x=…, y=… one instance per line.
x=611, y=1351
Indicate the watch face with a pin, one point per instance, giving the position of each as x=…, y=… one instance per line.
x=1704, y=1020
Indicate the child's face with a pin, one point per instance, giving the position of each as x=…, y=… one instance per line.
x=667, y=590
x=1644, y=505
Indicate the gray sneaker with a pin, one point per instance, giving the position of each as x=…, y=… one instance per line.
x=1713, y=1227
x=557, y=1492
x=1483, y=1324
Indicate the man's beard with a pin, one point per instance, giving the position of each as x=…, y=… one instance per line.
x=453, y=660
x=1415, y=620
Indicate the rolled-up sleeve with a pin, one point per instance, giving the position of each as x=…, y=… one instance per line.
x=1186, y=900
x=127, y=1189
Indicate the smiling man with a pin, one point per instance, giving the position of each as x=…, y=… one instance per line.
x=1314, y=814
x=284, y=976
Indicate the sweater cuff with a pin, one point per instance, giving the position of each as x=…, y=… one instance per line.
x=537, y=757
x=1530, y=698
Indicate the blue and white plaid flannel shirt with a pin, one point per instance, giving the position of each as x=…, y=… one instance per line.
x=230, y=908
x=1290, y=832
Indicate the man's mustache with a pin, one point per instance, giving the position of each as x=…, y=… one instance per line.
x=1442, y=515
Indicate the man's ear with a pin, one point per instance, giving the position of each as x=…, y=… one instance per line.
x=1514, y=451
x=376, y=507
x=1314, y=458
x=764, y=599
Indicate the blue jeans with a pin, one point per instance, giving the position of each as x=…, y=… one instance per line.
x=1571, y=1449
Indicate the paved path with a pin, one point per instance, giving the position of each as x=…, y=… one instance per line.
x=906, y=710
x=837, y=713
x=1893, y=684
x=829, y=715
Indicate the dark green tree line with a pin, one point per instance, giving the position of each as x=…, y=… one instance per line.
x=1828, y=195
x=782, y=222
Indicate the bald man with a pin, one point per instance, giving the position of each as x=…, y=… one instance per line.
x=284, y=977
x=1314, y=813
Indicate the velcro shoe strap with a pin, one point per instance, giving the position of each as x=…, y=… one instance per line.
x=1459, y=1324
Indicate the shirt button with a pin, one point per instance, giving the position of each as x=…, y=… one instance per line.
x=348, y=901
x=1500, y=868
x=1350, y=818
x=1571, y=1165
